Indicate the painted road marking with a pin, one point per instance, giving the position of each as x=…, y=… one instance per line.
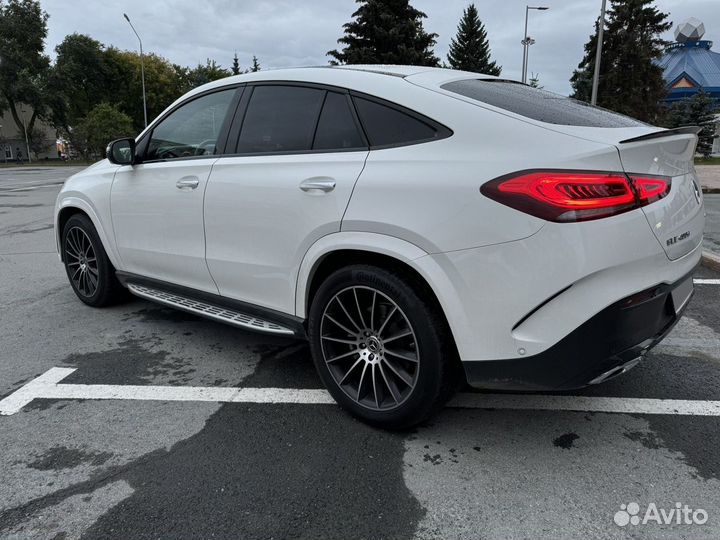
x=706, y=281
x=46, y=387
x=31, y=187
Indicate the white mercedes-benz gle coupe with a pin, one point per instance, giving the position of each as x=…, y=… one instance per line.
x=416, y=225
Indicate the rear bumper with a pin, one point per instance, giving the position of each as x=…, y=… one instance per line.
x=605, y=345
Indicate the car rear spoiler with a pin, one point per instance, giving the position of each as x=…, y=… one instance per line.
x=686, y=130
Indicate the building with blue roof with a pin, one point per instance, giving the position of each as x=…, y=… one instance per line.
x=690, y=64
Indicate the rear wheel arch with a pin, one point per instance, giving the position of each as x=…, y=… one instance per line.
x=342, y=258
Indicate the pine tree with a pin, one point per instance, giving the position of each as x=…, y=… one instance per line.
x=386, y=32
x=235, y=65
x=699, y=110
x=469, y=49
x=255, y=64
x=630, y=82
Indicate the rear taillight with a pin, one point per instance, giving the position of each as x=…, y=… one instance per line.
x=650, y=189
x=567, y=196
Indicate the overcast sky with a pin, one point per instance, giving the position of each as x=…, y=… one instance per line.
x=298, y=33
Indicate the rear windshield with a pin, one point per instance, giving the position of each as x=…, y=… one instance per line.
x=539, y=104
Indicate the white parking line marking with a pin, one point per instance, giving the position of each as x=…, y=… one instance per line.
x=706, y=281
x=46, y=387
x=588, y=404
x=34, y=389
x=31, y=187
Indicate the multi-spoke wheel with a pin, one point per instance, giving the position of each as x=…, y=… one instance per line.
x=381, y=346
x=369, y=347
x=81, y=261
x=88, y=268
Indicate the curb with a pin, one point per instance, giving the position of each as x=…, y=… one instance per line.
x=708, y=190
x=711, y=261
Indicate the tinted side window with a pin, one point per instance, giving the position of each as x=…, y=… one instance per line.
x=191, y=130
x=336, y=128
x=386, y=125
x=280, y=119
x=538, y=104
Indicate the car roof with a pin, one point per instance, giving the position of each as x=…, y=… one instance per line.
x=347, y=75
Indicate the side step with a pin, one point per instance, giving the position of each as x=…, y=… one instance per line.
x=203, y=309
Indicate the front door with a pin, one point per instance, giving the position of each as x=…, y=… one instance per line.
x=157, y=205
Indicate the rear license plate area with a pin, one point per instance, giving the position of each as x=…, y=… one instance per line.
x=681, y=294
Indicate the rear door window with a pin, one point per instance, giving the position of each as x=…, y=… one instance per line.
x=280, y=119
x=539, y=104
x=336, y=129
x=387, y=126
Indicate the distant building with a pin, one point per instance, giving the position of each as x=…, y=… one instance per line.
x=691, y=65
x=12, y=139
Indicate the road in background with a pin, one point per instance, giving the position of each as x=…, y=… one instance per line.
x=152, y=469
x=711, y=242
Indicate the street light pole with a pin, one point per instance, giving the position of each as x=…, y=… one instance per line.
x=598, y=55
x=142, y=67
x=527, y=41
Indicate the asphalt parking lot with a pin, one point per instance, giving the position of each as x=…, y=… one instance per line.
x=274, y=463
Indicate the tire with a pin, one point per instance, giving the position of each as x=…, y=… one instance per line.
x=382, y=347
x=90, y=272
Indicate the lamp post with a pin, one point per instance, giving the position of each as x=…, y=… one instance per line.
x=527, y=41
x=142, y=67
x=598, y=55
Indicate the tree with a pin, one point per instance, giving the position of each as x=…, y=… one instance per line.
x=202, y=74
x=164, y=83
x=386, y=32
x=81, y=78
x=699, y=110
x=255, y=64
x=235, y=69
x=102, y=124
x=23, y=65
x=469, y=49
x=535, y=81
x=630, y=81
x=37, y=140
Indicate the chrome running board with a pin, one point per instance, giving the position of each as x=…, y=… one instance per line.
x=203, y=309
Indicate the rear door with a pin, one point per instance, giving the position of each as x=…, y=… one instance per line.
x=298, y=151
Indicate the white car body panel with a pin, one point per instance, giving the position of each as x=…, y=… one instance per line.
x=89, y=191
x=381, y=244
x=259, y=223
x=159, y=229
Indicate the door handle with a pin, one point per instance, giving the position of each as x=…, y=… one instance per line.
x=321, y=185
x=187, y=183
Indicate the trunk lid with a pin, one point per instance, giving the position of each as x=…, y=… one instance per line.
x=678, y=219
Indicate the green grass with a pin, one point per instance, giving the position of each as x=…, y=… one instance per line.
x=707, y=161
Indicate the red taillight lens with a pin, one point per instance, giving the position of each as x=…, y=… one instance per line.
x=574, y=196
x=650, y=189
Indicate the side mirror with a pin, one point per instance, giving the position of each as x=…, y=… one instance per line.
x=121, y=151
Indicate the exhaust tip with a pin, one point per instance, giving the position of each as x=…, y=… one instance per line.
x=617, y=370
